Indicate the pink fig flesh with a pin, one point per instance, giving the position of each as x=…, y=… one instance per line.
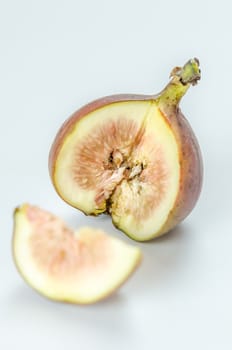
x=80, y=267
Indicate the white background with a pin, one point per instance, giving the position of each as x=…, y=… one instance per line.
x=56, y=56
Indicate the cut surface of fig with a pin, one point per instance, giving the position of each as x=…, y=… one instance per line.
x=133, y=157
x=79, y=267
x=126, y=164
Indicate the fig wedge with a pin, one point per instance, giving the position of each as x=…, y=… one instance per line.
x=80, y=267
x=134, y=157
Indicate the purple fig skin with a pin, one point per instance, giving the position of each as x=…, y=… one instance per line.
x=191, y=170
x=190, y=158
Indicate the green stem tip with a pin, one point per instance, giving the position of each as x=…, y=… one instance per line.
x=190, y=73
x=181, y=79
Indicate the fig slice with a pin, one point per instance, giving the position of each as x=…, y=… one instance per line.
x=134, y=157
x=80, y=267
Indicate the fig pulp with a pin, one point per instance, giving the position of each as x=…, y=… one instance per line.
x=79, y=267
x=134, y=157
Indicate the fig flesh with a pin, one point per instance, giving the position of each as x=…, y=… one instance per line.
x=134, y=157
x=80, y=267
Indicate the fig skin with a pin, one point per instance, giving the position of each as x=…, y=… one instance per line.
x=191, y=175
x=190, y=158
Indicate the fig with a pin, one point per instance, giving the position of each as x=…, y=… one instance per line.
x=134, y=157
x=80, y=267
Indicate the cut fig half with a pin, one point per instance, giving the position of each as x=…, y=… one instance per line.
x=80, y=267
x=134, y=157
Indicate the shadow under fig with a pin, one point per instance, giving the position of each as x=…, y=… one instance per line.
x=24, y=301
x=163, y=258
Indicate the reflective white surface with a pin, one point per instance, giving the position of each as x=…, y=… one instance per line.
x=55, y=57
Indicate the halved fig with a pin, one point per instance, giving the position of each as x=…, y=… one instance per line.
x=134, y=157
x=78, y=267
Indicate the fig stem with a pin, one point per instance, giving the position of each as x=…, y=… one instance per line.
x=181, y=79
